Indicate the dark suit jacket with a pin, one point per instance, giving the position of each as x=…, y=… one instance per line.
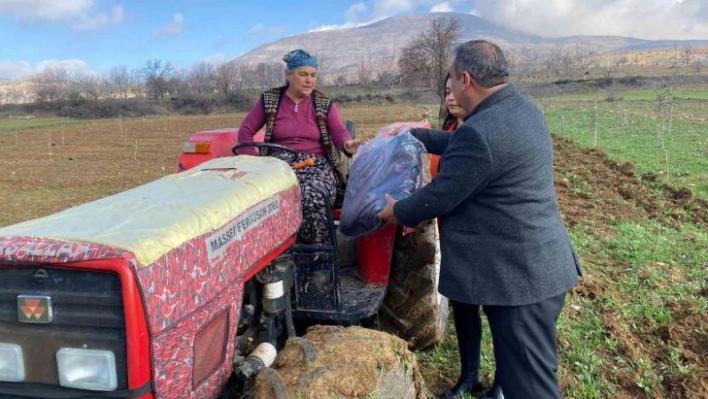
x=503, y=241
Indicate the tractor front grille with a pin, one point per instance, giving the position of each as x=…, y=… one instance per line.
x=87, y=314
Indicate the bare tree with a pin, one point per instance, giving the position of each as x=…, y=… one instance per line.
x=325, y=71
x=200, y=78
x=388, y=73
x=226, y=78
x=121, y=80
x=15, y=95
x=156, y=76
x=264, y=76
x=687, y=55
x=340, y=79
x=52, y=84
x=178, y=85
x=522, y=63
x=607, y=67
x=387, y=79
x=581, y=54
x=427, y=56
x=698, y=65
x=365, y=72
x=89, y=87
x=636, y=58
x=555, y=59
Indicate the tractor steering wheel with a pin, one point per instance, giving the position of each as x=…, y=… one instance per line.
x=289, y=157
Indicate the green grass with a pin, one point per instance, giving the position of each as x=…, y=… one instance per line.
x=650, y=95
x=14, y=125
x=646, y=267
x=631, y=95
x=669, y=143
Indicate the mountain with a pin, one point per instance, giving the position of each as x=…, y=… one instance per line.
x=344, y=51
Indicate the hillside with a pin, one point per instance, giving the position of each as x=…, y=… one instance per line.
x=343, y=51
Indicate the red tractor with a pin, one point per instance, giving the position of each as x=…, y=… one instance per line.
x=175, y=288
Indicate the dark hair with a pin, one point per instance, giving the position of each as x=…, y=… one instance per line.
x=483, y=60
x=448, y=118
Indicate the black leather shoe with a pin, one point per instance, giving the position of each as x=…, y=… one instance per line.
x=469, y=385
x=494, y=393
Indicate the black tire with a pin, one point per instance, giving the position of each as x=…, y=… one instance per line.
x=412, y=308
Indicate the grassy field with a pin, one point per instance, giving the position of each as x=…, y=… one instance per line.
x=662, y=134
x=632, y=181
x=15, y=125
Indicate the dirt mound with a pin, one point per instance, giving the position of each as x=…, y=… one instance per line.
x=338, y=362
x=593, y=189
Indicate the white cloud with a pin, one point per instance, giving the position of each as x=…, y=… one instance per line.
x=442, y=7
x=100, y=20
x=263, y=30
x=216, y=59
x=72, y=66
x=360, y=13
x=13, y=70
x=173, y=28
x=46, y=10
x=81, y=14
x=356, y=12
x=387, y=8
x=645, y=19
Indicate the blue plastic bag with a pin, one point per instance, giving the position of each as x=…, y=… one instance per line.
x=383, y=165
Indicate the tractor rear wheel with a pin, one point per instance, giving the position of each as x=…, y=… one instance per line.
x=412, y=308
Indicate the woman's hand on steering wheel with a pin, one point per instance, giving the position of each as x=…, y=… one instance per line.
x=290, y=157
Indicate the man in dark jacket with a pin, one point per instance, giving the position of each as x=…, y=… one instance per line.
x=503, y=242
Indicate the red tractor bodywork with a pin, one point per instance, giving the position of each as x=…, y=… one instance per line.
x=209, y=144
x=177, y=323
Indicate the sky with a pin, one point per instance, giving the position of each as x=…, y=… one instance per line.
x=93, y=36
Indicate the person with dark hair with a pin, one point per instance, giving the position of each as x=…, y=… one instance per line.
x=504, y=245
x=454, y=114
x=453, y=118
x=305, y=119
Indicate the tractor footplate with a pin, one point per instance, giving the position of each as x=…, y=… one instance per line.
x=357, y=300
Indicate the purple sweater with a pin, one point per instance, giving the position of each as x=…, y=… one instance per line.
x=296, y=126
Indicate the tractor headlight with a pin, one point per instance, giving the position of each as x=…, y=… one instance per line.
x=12, y=367
x=87, y=369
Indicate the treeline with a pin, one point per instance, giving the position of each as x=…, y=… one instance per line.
x=154, y=88
x=158, y=88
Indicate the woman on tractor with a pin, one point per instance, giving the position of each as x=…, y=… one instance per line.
x=304, y=119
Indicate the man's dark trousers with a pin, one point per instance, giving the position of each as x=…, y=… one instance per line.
x=525, y=348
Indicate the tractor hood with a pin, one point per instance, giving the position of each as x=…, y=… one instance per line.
x=150, y=220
